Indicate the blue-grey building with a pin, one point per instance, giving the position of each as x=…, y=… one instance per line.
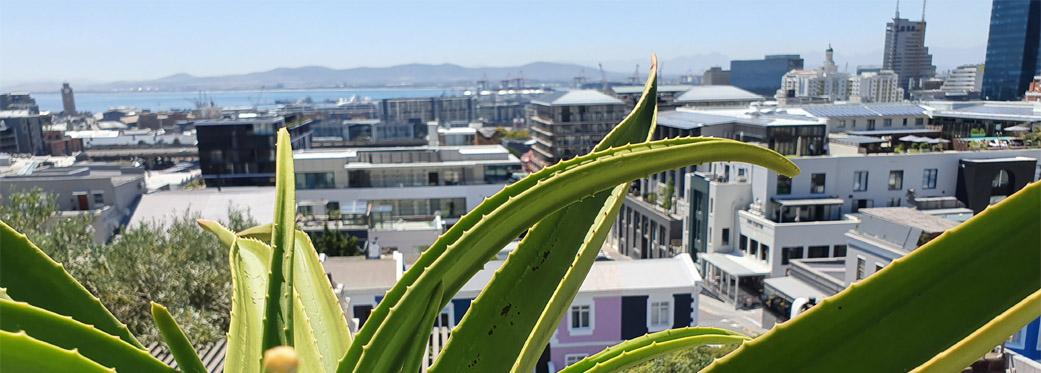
x=1012, y=49
x=763, y=77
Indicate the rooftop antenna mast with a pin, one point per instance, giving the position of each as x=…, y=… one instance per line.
x=923, y=11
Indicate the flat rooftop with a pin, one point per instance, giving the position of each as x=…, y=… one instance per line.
x=911, y=218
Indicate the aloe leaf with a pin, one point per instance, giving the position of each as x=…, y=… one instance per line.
x=417, y=351
x=322, y=316
x=916, y=307
x=278, y=317
x=305, y=341
x=984, y=339
x=226, y=237
x=260, y=232
x=66, y=333
x=31, y=276
x=187, y=359
x=22, y=353
x=520, y=293
x=520, y=205
x=3, y=294
x=250, y=260
x=649, y=346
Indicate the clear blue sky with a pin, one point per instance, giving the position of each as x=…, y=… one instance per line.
x=105, y=40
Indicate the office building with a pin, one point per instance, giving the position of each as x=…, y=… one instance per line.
x=1013, y=57
x=18, y=101
x=763, y=77
x=570, y=123
x=21, y=132
x=983, y=122
x=240, y=152
x=68, y=101
x=716, y=76
x=716, y=97
x=965, y=80
x=905, y=52
x=443, y=110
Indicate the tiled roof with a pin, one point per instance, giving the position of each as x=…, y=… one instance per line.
x=211, y=354
x=577, y=97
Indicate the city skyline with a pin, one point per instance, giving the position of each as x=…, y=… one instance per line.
x=114, y=40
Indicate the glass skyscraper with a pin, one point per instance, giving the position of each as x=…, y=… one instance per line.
x=1012, y=49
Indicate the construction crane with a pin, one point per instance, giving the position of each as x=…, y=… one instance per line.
x=580, y=80
x=635, y=79
x=603, y=77
x=505, y=84
x=519, y=80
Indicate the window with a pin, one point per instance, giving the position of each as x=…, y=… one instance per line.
x=570, y=359
x=784, y=184
x=919, y=121
x=929, y=178
x=790, y=253
x=860, y=179
x=842, y=123
x=861, y=203
x=870, y=124
x=753, y=248
x=314, y=180
x=764, y=253
x=580, y=316
x=817, y=252
x=860, y=268
x=726, y=236
x=817, y=183
x=905, y=121
x=305, y=210
x=743, y=242
x=99, y=199
x=710, y=203
x=896, y=180
x=893, y=202
x=330, y=207
x=840, y=251
x=660, y=312
x=878, y=267
x=854, y=123
x=888, y=122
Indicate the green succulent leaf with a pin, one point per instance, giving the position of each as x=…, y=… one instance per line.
x=417, y=351
x=260, y=232
x=3, y=294
x=187, y=359
x=638, y=350
x=521, y=293
x=520, y=205
x=250, y=260
x=934, y=298
x=984, y=339
x=278, y=316
x=22, y=353
x=64, y=332
x=306, y=341
x=318, y=310
x=31, y=276
x=226, y=237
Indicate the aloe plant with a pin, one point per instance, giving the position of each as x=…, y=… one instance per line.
x=284, y=308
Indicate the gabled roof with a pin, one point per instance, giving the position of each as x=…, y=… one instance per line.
x=713, y=93
x=577, y=97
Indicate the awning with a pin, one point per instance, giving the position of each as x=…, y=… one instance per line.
x=732, y=265
x=791, y=288
x=809, y=202
x=1017, y=129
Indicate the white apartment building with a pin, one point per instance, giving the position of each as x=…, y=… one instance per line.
x=964, y=79
x=882, y=86
x=822, y=85
x=415, y=182
x=748, y=223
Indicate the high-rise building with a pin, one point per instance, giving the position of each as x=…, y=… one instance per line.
x=67, y=100
x=966, y=80
x=763, y=77
x=716, y=76
x=1012, y=49
x=570, y=123
x=905, y=51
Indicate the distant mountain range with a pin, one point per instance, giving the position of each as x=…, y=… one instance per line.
x=411, y=75
x=450, y=75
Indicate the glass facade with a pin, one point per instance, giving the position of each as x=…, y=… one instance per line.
x=1012, y=49
x=763, y=77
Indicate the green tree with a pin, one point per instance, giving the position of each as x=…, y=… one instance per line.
x=177, y=264
x=335, y=243
x=689, y=360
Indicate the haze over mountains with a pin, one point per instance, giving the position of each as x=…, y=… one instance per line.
x=451, y=75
